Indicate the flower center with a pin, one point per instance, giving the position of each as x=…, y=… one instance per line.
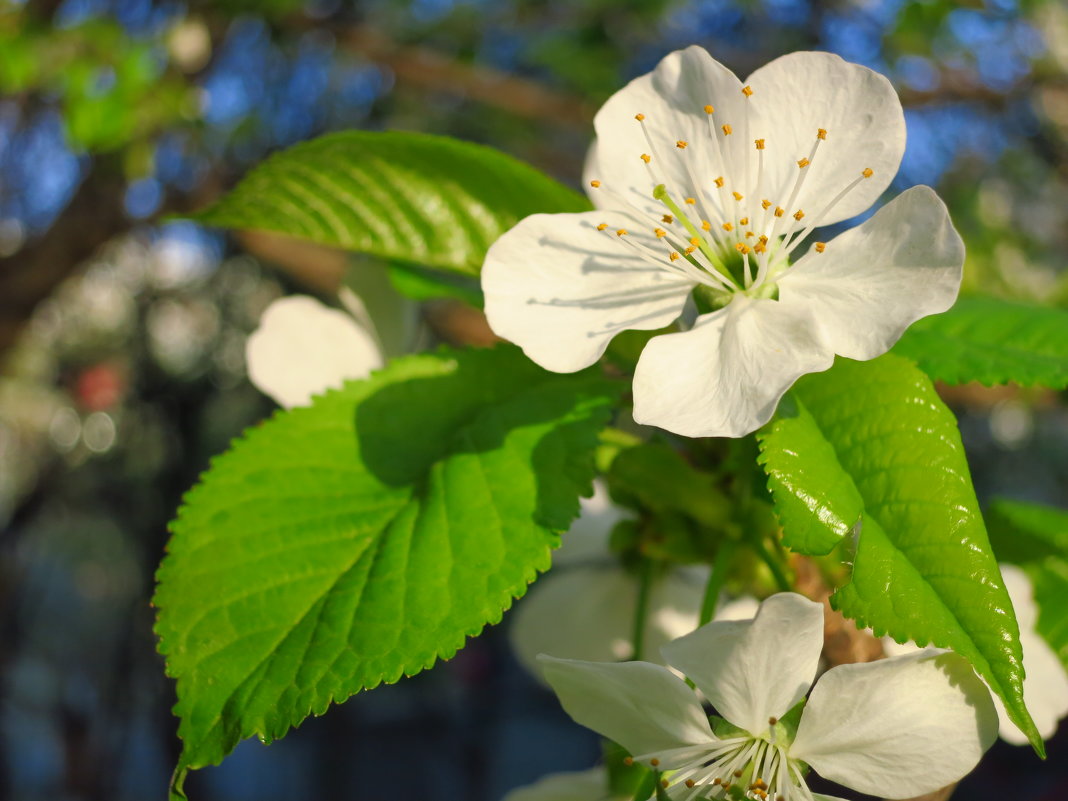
x=728, y=233
x=743, y=768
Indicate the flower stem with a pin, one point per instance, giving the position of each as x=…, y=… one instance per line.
x=716, y=578
x=645, y=580
x=773, y=565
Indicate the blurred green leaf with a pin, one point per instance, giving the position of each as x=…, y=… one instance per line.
x=408, y=197
x=869, y=456
x=1022, y=532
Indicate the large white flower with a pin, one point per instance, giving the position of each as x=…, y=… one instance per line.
x=897, y=728
x=302, y=348
x=706, y=188
x=1045, y=682
x=584, y=608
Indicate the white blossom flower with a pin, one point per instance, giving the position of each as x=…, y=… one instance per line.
x=1045, y=682
x=896, y=728
x=584, y=608
x=302, y=348
x=705, y=189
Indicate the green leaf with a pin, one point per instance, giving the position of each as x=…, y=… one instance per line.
x=420, y=283
x=992, y=341
x=868, y=449
x=346, y=544
x=1022, y=533
x=409, y=197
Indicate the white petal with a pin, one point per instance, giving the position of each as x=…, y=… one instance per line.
x=751, y=670
x=875, y=280
x=1046, y=683
x=743, y=608
x=561, y=289
x=586, y=785
x=725, y=376
x=587, y=613
x=587, y=539
x=302, y=348
x=643, y=707
x=899, y=727
x=672, y=98
x=800, y=93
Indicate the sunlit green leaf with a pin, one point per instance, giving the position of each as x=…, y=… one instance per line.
x=360, y=539
x=409, y=197
x=868, y=458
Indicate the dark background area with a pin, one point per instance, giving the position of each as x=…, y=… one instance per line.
x=122, y=336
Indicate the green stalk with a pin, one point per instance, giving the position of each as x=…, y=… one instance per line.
x=716, y=579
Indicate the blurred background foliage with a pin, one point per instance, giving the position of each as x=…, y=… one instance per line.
x=122, y=335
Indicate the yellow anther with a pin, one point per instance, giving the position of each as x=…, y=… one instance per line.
x=660, y=233
x=691, y=201
x=759, y=144
x=706, y=225
x=728, y=226
x=674, y=256
x=821, y=133
x=691, y=249
x=744, y=221
x=681, y=144
x=690, y=783
x=867, y=172
x=709, y=109
x=602, y=226
x=716, y=782
x=646, y=158
x=737, y=774
x=595, y=183
x=668, y=219
x=621, y=232
x=765, y=204
x=773, y=720
x=639, y=117
x=654, y=762
x=695, y=240
x=719, y=181
x=737, y=196
x=747, y=91
x=798, y=215
x=759, y=248
x=727, y=130
x=763, y=239
x=749, y=234
x=779, y=211
x=742, y=248
x=820, y=247
x=665, y=783
x=802, y=163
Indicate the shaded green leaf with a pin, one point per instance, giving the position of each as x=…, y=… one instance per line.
x=992, y=341
x=362, y=538
x=410, y=197
x=1027, y=532
x=1050, y=583
x=869, y=456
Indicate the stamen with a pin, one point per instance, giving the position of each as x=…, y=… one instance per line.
x=646, y=158
x=744, y=221
x=628, y=761
x=802, y=163
x=747, y=91
x=821, y=133
x=602, y=226
x=674, y=256
x=709, y=109
x=728, y=226
x=798, y=215
x=595, y=183
x=820, y=247
x=668, y=219
x=737, y=196
x=660, y=233
x=867, y=172
x=691, y=201
x=719, y=182
x=706, y=225
x=639, y=117
x=742, y=248
x=766, y=204
x=681, y=144
x=779, y=211
x=727, y=130
x=621, y=232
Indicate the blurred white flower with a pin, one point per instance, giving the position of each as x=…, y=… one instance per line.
x=1045, y=683
x=704, y=188
x=586, y=785
x=896, y=728
x=302, y=348
x=584, y=607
